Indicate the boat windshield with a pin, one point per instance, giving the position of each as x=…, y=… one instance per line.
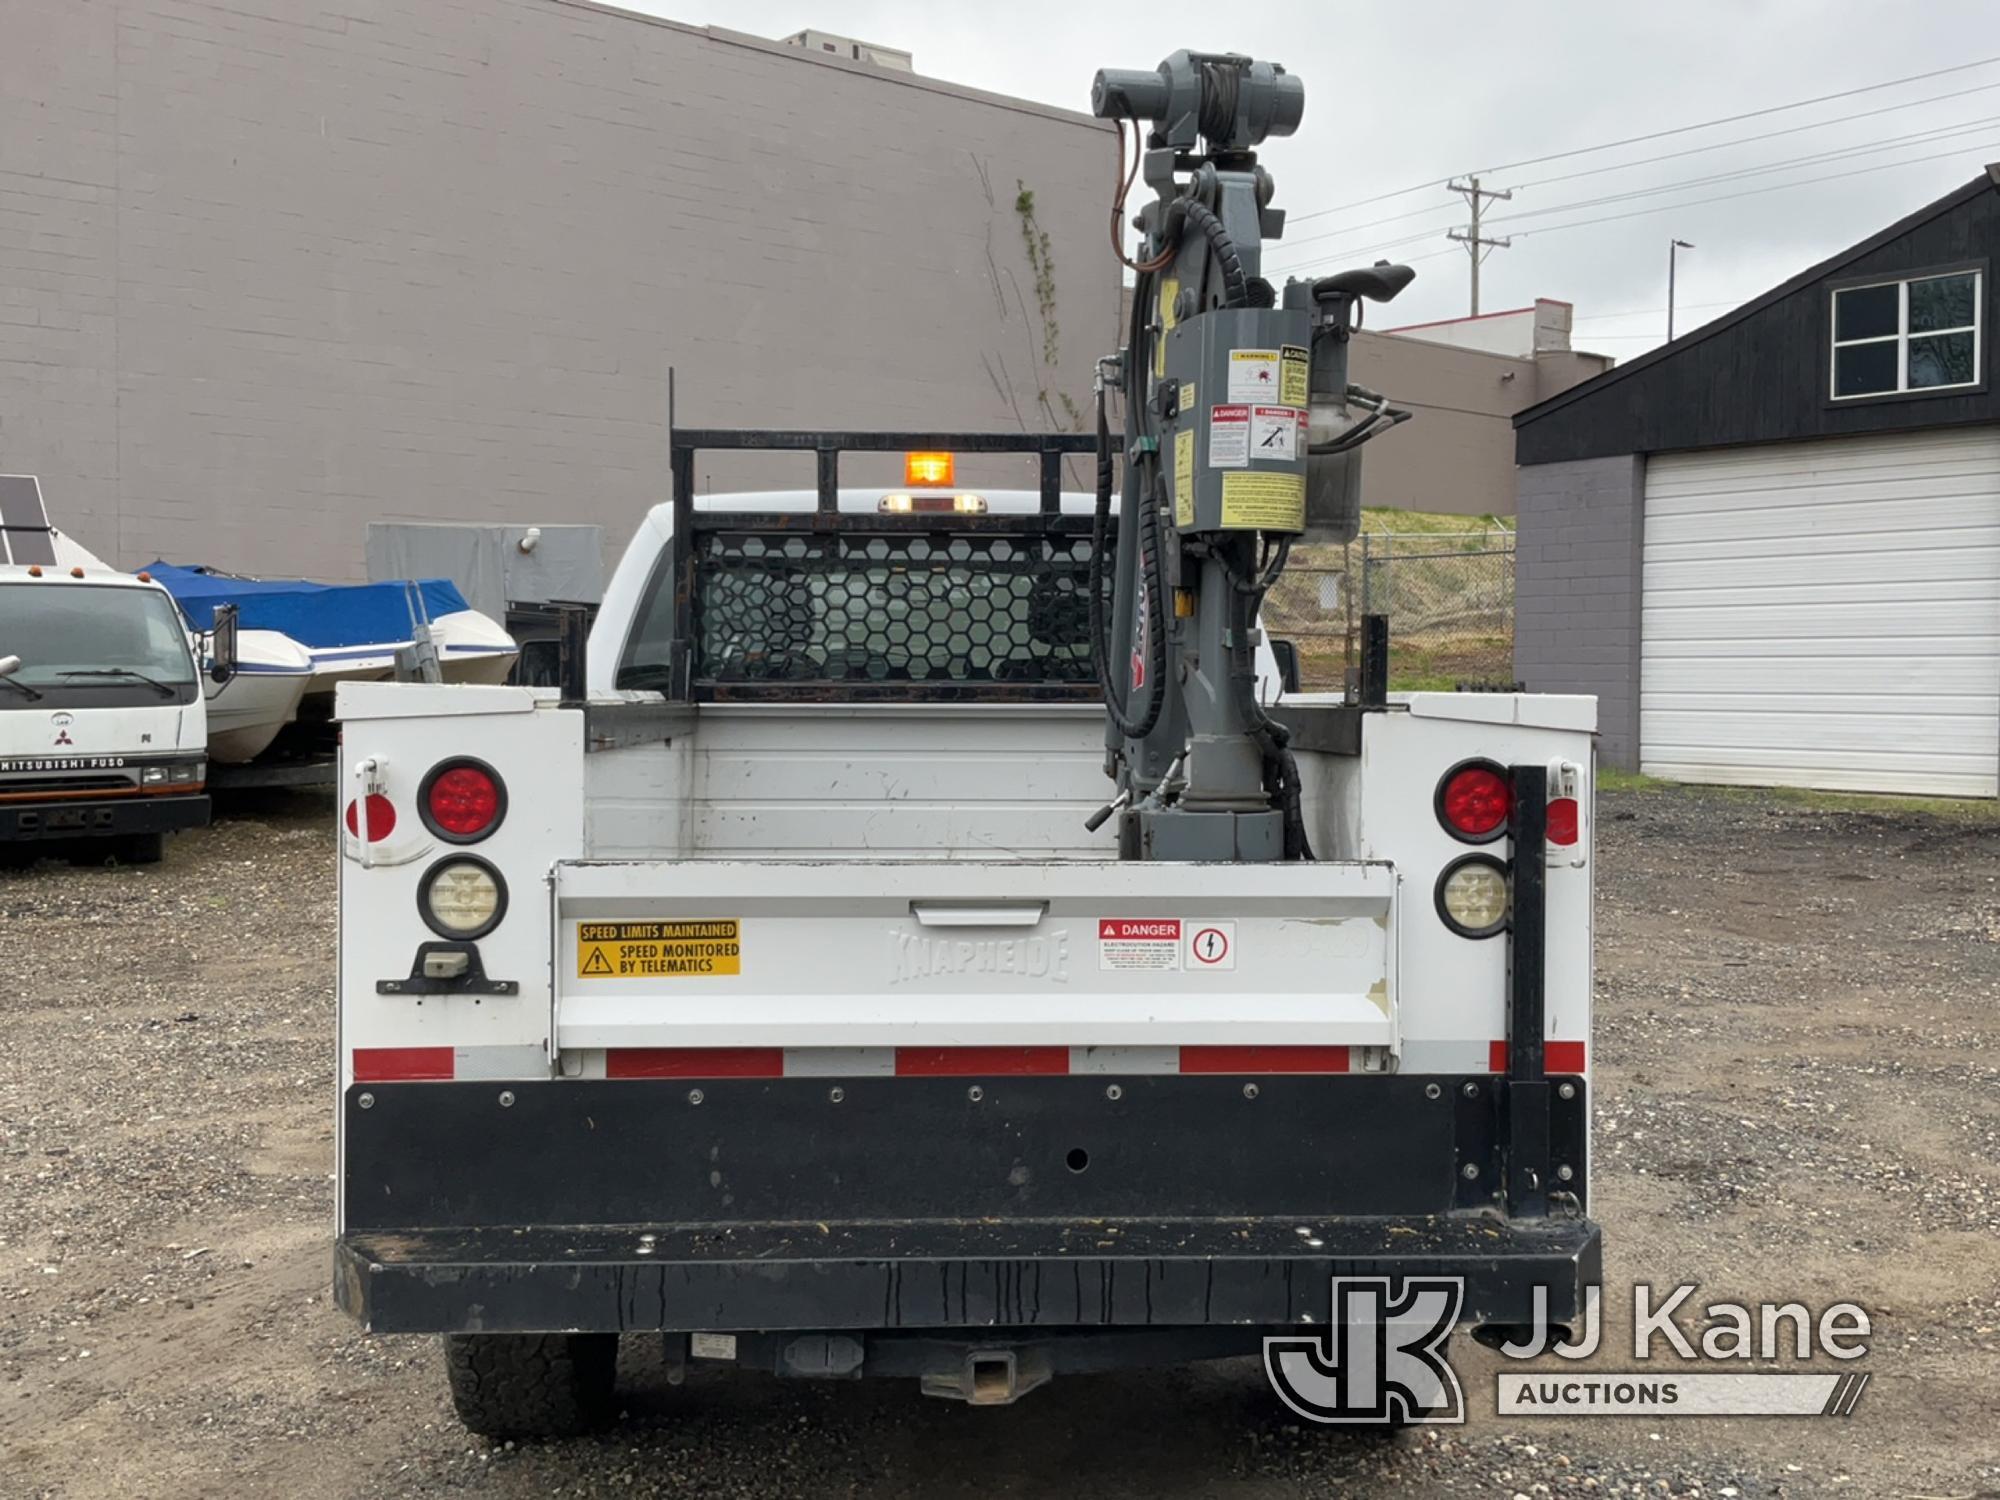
x=92, y=644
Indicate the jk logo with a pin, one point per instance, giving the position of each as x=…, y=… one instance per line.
x=1381, y=1358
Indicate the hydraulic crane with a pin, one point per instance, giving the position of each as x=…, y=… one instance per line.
x=1241, y=433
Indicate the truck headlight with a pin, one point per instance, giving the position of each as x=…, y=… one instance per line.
x=1473, y=895
x=462, y=898
x=152, y=775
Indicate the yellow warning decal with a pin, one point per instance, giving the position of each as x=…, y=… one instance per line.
x=1294, y=367
x=1264, y=502
x=658, y=950
x=1184, y=478
x=1170, y=291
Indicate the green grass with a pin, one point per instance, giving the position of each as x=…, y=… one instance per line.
x=1963, y=809
x=1424, y=522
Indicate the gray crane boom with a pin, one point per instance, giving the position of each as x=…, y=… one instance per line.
x=1241, y=432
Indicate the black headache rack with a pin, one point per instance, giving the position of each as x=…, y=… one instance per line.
x=926, y=607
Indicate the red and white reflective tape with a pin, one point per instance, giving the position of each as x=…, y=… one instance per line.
x=436, y=1064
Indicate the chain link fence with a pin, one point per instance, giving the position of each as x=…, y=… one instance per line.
x=1449, y=597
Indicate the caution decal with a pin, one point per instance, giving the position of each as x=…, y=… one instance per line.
x=1264, y=502
x=658, y=950
x=1184, y=477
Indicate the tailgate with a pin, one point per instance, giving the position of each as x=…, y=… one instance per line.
x=666, y=954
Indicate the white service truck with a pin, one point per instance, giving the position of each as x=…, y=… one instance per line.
x=925, y=942
x=773, y=995
x=103, y=727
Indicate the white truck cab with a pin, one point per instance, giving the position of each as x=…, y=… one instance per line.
x=778, y=986
x=103, y=729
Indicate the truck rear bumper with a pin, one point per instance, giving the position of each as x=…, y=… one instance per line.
x=93, y=818
x=1097, y=1274
x=880, y=1203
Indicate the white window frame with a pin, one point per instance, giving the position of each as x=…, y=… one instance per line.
x=1901, y=337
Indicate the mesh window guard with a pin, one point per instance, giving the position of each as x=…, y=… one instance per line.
x=967, y=610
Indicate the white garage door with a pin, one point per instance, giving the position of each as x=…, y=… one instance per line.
x=1825, y=614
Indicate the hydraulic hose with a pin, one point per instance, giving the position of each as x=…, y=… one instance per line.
x=1146, y=567
x=1235, y=285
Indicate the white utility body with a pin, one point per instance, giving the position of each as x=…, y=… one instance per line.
x=721, y=958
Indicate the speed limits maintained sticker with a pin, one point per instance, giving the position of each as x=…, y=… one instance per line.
x=658, y=950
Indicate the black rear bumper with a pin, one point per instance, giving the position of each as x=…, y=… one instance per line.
x=893, y=1203
x=95, y=817
x=1037, y=1275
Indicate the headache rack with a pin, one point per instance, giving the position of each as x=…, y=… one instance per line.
x=826, y=605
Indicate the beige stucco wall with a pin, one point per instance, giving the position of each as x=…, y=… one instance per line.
x=273, y=269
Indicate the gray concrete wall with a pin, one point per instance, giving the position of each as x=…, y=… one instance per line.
x=1456, y=454
x=272, y=269
x=1577, y=589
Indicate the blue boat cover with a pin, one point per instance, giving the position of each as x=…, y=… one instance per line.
x=318, y=616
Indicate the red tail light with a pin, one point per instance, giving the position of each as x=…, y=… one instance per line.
x=1562, y=820
x=462, y=800
x=381, y=818
x=1473, y=801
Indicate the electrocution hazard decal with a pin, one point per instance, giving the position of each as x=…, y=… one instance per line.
x=658, y=950
x=1139, y=943
x=1228, y=437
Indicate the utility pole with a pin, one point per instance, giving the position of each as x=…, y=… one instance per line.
x=1472, y=192
x=1674, y=247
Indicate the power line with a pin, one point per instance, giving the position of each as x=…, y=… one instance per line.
x=1751, y=140
x=1870, y=88
x=1777, y=187
x=1752, y=114
x=1820, y=158
x=1662, y=208
x=1840, y=153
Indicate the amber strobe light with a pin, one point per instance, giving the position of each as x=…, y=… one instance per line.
x=462, y=800
x=927, y=470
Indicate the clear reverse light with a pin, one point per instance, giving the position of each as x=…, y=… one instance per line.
x=1475, y=896
x=462, y=897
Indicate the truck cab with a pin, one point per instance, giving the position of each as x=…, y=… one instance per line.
x=777, y=984
x=103, y=729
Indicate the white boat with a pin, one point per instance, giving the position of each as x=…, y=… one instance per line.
x=298, y=641
x=246, y=713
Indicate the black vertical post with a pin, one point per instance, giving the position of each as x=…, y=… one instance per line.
x=1374, y=661
x=1527, y=954
x=829, y=481
x=573, y=653
x=1052, y=476
x=682, y=557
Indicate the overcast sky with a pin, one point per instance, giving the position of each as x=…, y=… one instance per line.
x=1404, y=93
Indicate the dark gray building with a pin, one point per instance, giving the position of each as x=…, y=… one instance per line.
x=1772, y=546
x=273, y=269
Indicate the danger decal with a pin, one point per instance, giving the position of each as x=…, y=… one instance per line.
x=1139, y=943
x=658, y=950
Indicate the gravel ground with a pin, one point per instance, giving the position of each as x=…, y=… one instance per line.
x=1798, y=1096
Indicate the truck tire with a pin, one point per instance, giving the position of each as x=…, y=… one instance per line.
x=531, y=1385
x=142, y=848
